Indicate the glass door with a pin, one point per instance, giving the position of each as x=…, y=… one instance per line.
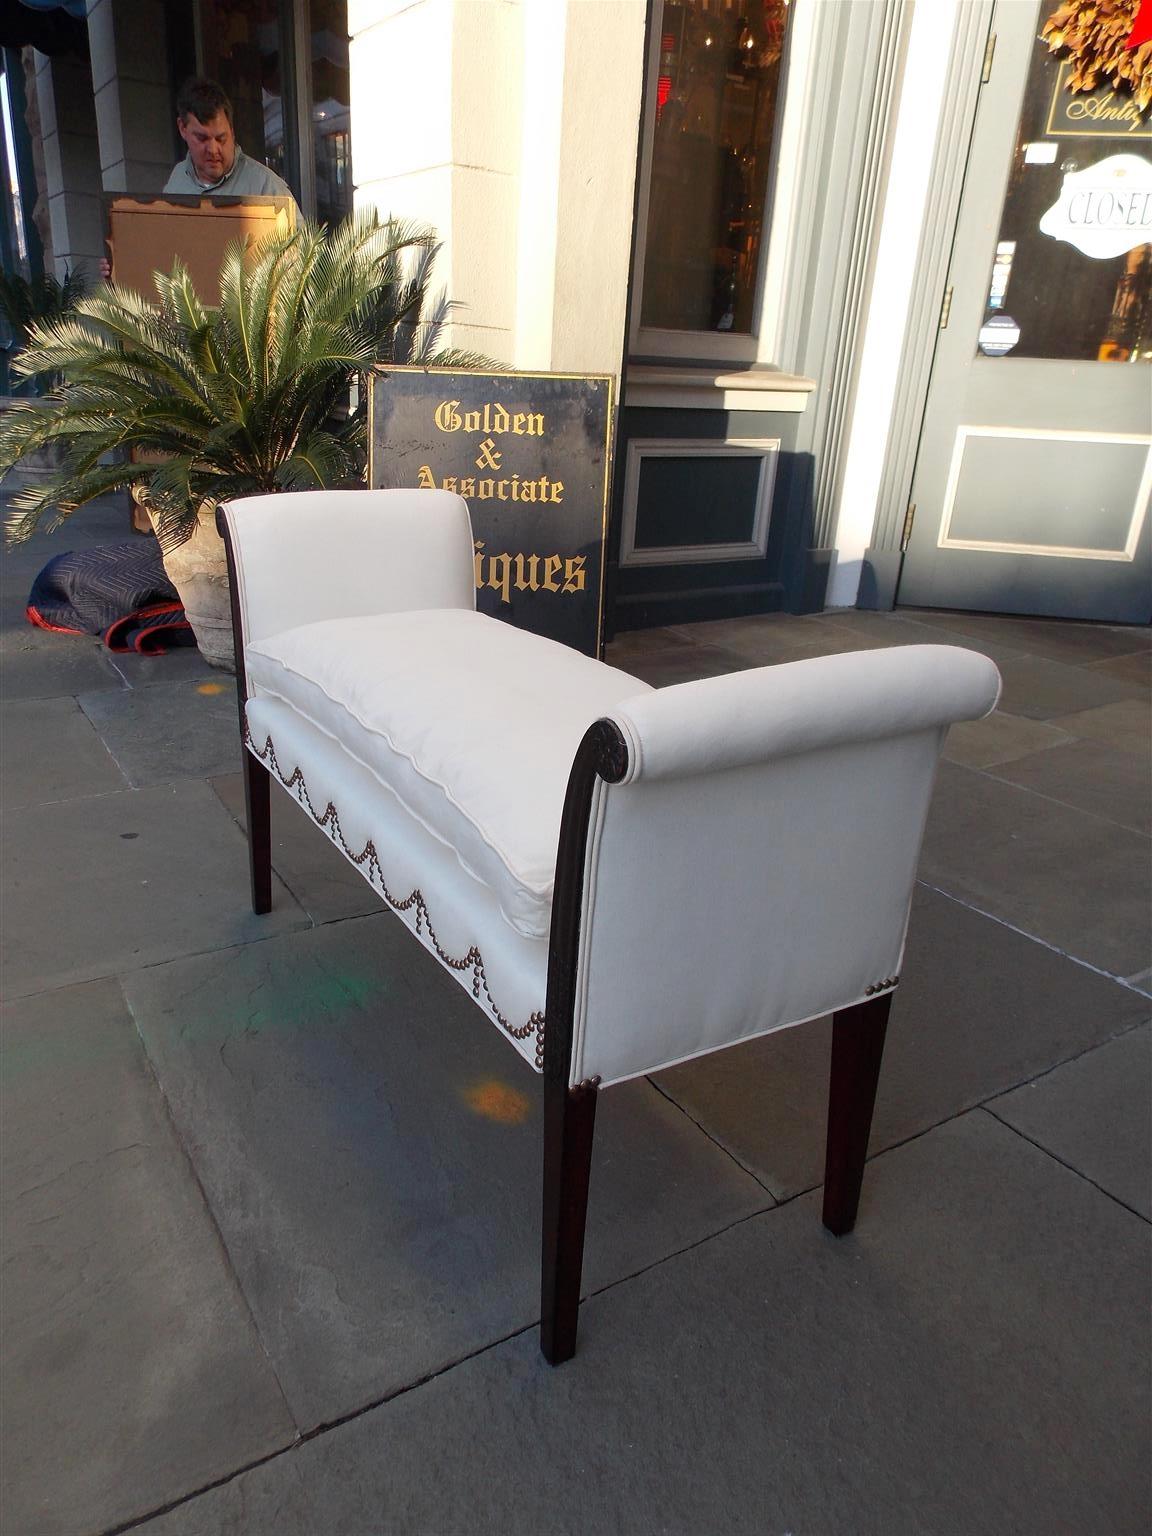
x=1035, y=466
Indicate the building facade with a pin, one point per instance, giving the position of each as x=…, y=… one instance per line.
x=876, y=282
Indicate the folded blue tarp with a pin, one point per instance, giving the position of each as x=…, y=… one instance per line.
x=117, y=591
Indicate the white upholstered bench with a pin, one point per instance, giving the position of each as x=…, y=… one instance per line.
x=621, y=878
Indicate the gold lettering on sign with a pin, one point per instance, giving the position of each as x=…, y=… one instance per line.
x=512, y=488
x=1104, y=109
x=488, y=458
x=491, y=419
x=505, y=574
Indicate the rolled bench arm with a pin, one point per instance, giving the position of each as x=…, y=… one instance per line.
x=300, y=557
x=776, y=712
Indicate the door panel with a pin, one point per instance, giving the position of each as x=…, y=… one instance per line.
x=1035, y=463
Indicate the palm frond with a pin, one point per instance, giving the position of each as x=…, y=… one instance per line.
x=245, y=398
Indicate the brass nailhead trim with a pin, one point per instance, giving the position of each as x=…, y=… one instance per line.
x=329, y=822
x=882, y=986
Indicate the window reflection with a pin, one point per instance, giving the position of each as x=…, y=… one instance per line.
x=330, y=98
x=717, y=96
x=1071, y=302
x=243, y=48
x=247, y=47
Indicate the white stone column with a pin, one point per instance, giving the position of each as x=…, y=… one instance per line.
x=511, y=127
x=436, y=91
x=71, y=163
x=128, y=44
x=603, y=84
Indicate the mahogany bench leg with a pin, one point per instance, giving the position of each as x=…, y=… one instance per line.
x=257, y=784
x=857, y=1046
x=569, y=1123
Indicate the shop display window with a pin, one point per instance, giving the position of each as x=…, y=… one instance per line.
x=716, y=111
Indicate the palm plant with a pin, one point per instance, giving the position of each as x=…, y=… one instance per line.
x=27, y=302
x=246, y=398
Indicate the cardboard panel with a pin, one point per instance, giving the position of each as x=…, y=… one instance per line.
x=147, y=234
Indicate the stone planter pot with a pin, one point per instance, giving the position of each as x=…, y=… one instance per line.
x=198, y=570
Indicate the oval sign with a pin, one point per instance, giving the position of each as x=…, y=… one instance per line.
x=1105, y=209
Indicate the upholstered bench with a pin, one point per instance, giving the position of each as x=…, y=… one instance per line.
x=621, y=878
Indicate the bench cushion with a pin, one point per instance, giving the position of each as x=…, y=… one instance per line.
x=471, y=723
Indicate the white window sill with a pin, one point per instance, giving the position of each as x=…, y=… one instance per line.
x=709, y=389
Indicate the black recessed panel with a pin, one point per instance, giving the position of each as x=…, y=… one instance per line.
x=703, y=499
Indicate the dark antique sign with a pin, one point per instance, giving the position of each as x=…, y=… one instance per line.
x=1101, y=113
x=530, y=454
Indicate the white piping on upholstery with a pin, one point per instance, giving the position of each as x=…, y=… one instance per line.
x=270, y=693
x=242, y=585
x=627, y=729
x=541, y=889
x=427, y=940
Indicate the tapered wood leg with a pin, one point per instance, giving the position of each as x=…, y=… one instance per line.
x=257, y=784
x=857, y=1046
x=569, y=1123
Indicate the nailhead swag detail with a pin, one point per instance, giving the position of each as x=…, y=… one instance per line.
x=329, y=822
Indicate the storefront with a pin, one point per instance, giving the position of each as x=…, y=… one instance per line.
x=877, y=284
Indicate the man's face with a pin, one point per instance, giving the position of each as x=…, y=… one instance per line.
x=212, y=145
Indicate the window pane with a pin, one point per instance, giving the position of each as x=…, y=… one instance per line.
x=243, y=49
x=330, y=96
x=717, y=94
x=1072, y=275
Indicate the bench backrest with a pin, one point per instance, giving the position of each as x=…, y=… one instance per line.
x=341, y=554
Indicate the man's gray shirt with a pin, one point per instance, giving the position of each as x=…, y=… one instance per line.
x=247, y=178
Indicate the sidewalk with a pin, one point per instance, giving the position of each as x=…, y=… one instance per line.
x=270, y=1187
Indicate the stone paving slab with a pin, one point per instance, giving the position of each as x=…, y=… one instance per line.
x=900, y=628
x=629, y=642
x=664, y=668
x=1070, y=878
x=49, y=751
x=965, y=1364
x=169, y=731
x=762, y=642
x=371, y=1148
x=1135, y=669
x=979, y=1010
x=1095, y=1114
x=999, y=738
x=1126, y=724
x=1114, y=784
x=96, y=887
x=310, y=865
x=1041, y=689
x=175, y=666
x=133, y=1372
x=1057, y=639
x=35, y=664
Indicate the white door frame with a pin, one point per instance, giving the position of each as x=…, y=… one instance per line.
x=892, y=385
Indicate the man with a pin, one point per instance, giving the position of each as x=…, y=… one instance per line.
x=215, y=165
